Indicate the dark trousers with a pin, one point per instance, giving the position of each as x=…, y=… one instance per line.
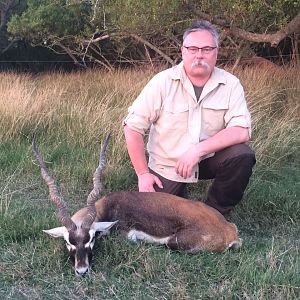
x=230, y=170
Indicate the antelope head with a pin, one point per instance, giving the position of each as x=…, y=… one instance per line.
x=79, y=230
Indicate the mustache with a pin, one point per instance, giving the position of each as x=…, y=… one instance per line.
x=200, y=63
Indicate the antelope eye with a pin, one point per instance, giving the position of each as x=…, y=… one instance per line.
x=70, y=246
x=90, y=244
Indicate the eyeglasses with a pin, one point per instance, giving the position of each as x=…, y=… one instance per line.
x=204, y=50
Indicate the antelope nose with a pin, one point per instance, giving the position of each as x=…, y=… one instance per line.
x=82, y=271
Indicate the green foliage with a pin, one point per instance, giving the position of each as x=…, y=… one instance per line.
x=142, y=16
x=70, y=24
x=259, y=16
x=44, y=19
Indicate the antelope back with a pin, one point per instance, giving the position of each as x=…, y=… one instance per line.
x=167, y=219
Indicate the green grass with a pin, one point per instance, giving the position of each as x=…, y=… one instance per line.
x=70, y=114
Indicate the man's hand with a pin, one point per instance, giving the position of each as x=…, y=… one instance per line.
x=187, y=161
x=146, y=182
x=224, y=138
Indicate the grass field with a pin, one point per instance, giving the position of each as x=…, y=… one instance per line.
x=69, y=115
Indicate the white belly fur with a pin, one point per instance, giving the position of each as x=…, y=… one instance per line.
x=135, y=235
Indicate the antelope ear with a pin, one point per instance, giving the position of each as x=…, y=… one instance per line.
x=56, y=232
x=103, y=226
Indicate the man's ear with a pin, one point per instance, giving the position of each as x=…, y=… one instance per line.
x=56, y=232
x=181, y=49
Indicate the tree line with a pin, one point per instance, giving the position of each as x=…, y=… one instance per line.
x=111, y=33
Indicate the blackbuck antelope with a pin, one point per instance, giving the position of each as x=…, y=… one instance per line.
x=159, y=218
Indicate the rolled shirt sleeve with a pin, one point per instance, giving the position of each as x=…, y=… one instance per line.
x=146, y=108
x=238, y=113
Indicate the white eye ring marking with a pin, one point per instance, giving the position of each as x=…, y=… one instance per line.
x=68, y=244
x=91, y=242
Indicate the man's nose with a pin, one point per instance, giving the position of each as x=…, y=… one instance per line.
x=199, y=53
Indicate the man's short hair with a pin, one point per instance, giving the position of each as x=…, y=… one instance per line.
x=203, y=25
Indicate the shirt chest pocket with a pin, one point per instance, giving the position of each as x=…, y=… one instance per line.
x=174, y=116
x=213, y=117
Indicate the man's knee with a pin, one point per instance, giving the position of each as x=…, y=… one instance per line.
x=234, y=151
x=169, y=186
x=232, y=176
x=237, y=169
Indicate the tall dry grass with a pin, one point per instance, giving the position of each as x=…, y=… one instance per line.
x=78, y=108
x=81, y=107
x=273, y=97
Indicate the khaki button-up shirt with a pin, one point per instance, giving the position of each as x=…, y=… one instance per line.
x=168, y=106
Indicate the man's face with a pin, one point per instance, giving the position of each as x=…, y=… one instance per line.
x=199, y=63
